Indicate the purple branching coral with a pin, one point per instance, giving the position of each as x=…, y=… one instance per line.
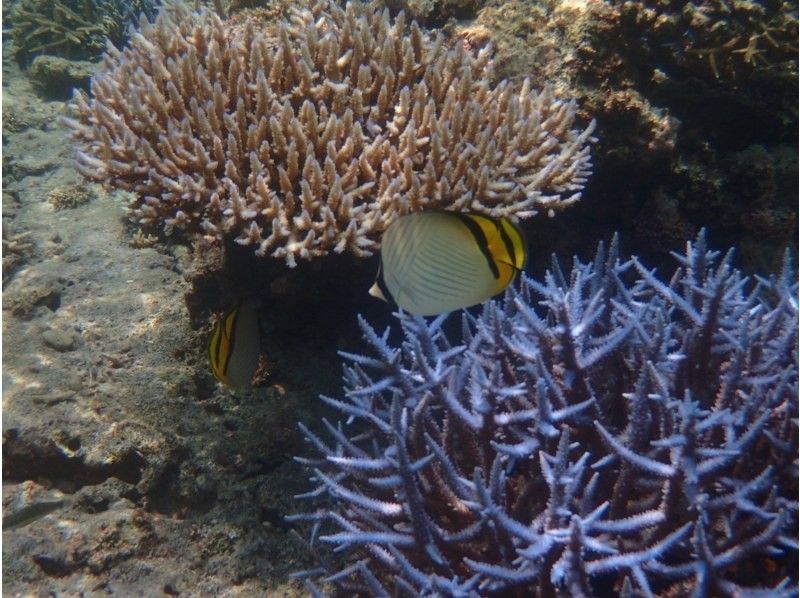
x=601, y=432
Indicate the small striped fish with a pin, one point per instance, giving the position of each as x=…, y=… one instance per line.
x=435, y=262
x=234, y=347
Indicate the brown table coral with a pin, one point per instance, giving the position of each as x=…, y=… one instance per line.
x=314, y=137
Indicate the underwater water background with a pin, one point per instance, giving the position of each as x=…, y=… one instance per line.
x=127, y=469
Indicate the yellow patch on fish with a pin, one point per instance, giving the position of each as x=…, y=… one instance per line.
x=434, y=262
x=234, y=347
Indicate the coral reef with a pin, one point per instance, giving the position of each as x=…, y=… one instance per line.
x=73, y=28
x=426, y=11
x=644, y=70
x=536, y=39
x=730, y=39
x=316, y=136
x=243, y=10
x=724, y=76
x=601, y=432
x=749, y=195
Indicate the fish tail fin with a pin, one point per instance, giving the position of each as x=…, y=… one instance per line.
x=375, y=291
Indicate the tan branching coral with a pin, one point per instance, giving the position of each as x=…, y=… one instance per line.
x=315, y=136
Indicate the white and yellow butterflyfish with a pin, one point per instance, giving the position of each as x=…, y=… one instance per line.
x=434, y=262
x=234, y=346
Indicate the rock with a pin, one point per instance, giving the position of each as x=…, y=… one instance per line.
x=31, y=290
x=74, y=381
x=53, y=398
x=55, y=77
x=29, y=166
x=59, y=340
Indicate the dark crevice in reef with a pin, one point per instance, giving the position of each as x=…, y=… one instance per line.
x=41, y=459
x=161, y=496
x=53, y=565
x=163, y=487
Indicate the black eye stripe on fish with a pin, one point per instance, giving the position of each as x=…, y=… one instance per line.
x=481, y=240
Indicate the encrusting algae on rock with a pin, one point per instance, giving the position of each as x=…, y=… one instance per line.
x=316, y=136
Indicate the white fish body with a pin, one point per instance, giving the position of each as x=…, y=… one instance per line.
x=434, y=262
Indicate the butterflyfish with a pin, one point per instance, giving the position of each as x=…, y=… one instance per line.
x=434, y=262
x=234, y=346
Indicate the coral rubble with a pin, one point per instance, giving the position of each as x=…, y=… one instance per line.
x=315, y=136
x=601, y=432
x=70, y=196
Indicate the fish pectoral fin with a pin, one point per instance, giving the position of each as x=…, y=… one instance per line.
x=375, y=291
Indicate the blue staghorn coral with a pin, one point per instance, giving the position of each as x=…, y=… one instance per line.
x=602, y=432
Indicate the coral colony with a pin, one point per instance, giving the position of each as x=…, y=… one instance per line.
x=315, y=136
x=732, y=39
x=73, y=28
x=600, y=433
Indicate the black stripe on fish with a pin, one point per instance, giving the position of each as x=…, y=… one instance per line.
x=480, y=239
x=381, y=282
x=231, y=339
x=214, y=348
x=508, y=243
